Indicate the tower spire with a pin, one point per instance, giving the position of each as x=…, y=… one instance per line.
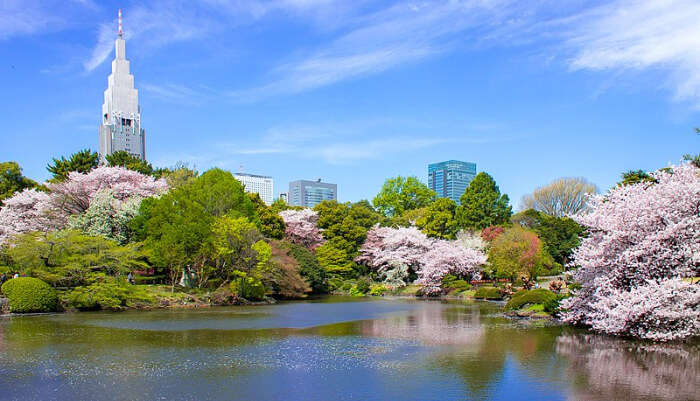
x=120, y=23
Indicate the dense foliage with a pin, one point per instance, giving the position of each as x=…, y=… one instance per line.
x=400, y=194
x=28, y=294
x=642, y=239
x=526, y=297
x=82, y=162
x=128, y=161
x=439, y=219
x=515, y=253
x=482, y=204
x=560, y=235
x=12, y=180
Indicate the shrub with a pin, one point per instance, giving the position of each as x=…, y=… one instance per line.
x=488, y=293
x=364, y=285
x=335, y=283
x=525, y=297
x=247, y=287
x=354, y=292
x=107, y=296
x=378, y=290
x=28, y=294
x=552, y=305
x=310, y=269
x=347, y=286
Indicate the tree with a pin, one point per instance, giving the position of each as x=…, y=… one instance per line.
x=448, y=257
x=301, y=228
x=12, y=180
x=271, y=224
x=439, y=219
x=309, y=268
x=31, y=210
x=82, y=162
x=560, y=198
x=642, y=239
x=177, y=226
x=694, y=160
x=401, y=194
x=68, y=258
x=334, y=259
x=283, y=274
x=107, y=216
x=177, y=176
x=559, y=235
x=516, y=252
x=482, y=204
x=235, y=246
x=635, y=176
x=124, y=159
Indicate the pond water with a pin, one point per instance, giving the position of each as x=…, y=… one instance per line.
x=332, y=349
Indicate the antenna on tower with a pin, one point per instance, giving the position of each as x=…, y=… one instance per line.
x=120, y=23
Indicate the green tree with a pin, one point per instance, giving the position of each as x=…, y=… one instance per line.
x=334, y=259
x=517, y=252
x=237, y=245
x=559, y=235
x=309, y=268
x=177, y=227
x=82, y=161
x=694, y=160
x=124, y=159
x=12, y=180
x=482, y=204
x=176, y=176
x=68, y=258
x=345, y=227
x=439, y=219
x=401, y=194
x=271, y=224
x=635, y=176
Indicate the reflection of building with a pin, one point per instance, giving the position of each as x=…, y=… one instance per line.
x=121, y=114
x=311, y=193
x=259, y=184
x=450, y=178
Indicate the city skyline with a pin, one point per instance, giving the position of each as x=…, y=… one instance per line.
x=372, y=90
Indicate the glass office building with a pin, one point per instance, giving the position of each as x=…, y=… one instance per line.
x=311, y=193
x=450, y=178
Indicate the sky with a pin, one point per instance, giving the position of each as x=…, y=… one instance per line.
x=355, y=92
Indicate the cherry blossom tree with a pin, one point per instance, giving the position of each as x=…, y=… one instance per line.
x=32, y=210
x=431, y=259
x=301, y=227
x=448, y=257
x=74, y=195
x=29, y=210
x=642, y=239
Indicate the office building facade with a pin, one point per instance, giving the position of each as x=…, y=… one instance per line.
x=258, y=184
x=450, y=178
x=310, y=193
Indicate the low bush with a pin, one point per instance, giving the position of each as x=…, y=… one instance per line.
x=378, y=290
x=525, y=297
x=347, y=286
x=552, y=306
x=28, y=294
x=335, y=283
x=108, y=295
x=355, y=292
x=488, y=293
x=364, y=285
x=247, y=287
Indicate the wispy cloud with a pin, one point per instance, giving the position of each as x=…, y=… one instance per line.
x=26, y=18
x=633, y=35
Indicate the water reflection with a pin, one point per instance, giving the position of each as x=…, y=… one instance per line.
x=608, y=369
x=369, y=350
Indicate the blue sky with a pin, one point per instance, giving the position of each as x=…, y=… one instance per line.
x=358, y=91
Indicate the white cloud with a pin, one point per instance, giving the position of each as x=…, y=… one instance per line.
x=634, y=35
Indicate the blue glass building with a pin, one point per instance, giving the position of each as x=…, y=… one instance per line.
x=311, y=193
x=450, y=178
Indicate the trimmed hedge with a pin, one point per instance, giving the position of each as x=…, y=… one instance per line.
x=525, y=297
x=28, y=294
x=488, y=293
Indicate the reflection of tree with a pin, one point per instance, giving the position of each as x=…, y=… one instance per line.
x=432, y=324
x=613, y=369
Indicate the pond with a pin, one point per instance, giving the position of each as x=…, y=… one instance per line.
x=332, y=349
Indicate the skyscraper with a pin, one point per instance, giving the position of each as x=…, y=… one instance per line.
x=311, y=193
x=121, y=114
x=259, y=184
x=450, y=178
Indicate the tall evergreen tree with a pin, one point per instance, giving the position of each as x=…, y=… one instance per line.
x=82, y=161
x=122, y=158
x=482, y=204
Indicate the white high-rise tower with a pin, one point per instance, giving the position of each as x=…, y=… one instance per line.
x=121, y=114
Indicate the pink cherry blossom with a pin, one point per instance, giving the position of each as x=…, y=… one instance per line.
x=640, y=237
x=31, y=210
x=301, y=227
